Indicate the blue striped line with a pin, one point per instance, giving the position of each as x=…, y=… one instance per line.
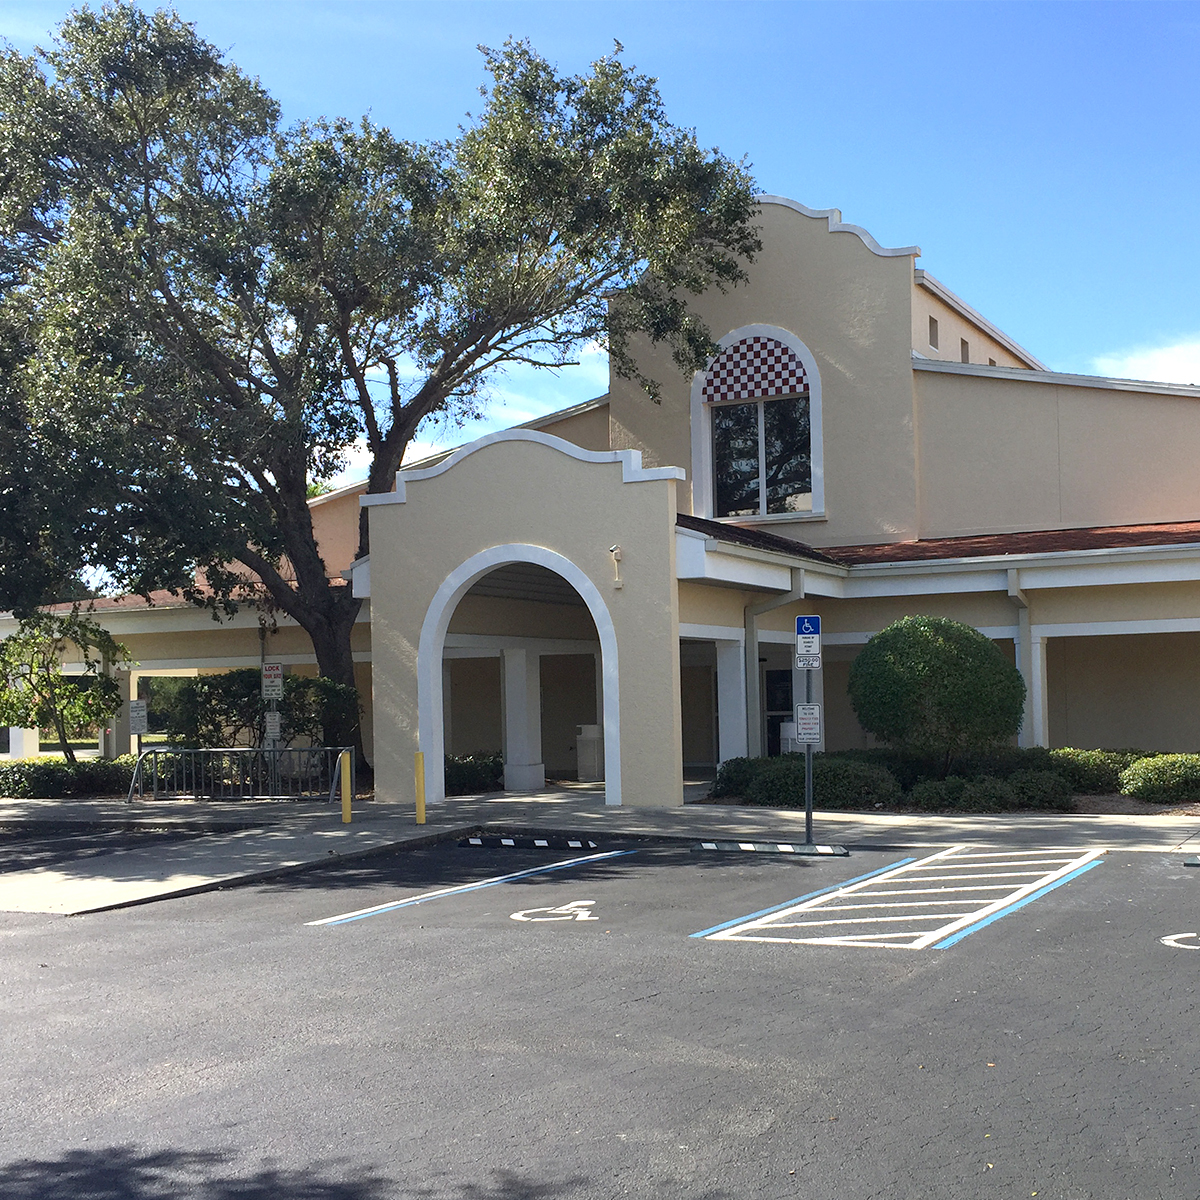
x=962, y=933
x=833, y=887
x=469, y=887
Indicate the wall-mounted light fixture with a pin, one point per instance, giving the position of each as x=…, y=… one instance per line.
x=615, y=551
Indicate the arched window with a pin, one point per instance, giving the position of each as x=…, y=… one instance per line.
x=756, y=402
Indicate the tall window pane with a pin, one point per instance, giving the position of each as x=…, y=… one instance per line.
x=735, y=459
x=787, y=450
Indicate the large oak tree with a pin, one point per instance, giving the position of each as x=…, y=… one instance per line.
x=231, y=305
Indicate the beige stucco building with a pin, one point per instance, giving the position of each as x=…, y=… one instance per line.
x=865, y=446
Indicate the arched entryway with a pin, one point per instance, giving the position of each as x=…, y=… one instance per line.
x=432, y=648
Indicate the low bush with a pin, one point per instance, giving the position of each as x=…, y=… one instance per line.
x=983, y=794
x=734, y=777
x=937, y=795
x=1041, y=789
x=1165, y=778
x=1094, y=772
x=467, y=774
x=838, y=783
x=53, y=778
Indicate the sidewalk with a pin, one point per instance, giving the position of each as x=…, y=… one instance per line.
x=254, y=840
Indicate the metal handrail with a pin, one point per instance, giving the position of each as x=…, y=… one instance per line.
x=240, y=773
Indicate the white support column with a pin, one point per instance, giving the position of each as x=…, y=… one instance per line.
x=1039, y=693
x=731, y=700
x=524, y=770
x=23, y=743
x=116, y=739
x=447, y=706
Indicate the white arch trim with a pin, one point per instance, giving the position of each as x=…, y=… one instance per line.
x=702, y=451
x=833, y=218
x=632, y=470
x=430, y=730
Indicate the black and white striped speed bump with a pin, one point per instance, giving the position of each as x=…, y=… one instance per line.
x=775, y=847
x=530, y=843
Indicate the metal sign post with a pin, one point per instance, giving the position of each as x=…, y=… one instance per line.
x=808, y=714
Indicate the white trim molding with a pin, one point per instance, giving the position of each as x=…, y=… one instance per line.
x=833, y=219
x=632, y=470
x=432, y=645
x=702, y=472
x=1021, y=375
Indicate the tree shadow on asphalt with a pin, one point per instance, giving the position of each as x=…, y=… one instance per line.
x=449, y=865
x=129, y=1173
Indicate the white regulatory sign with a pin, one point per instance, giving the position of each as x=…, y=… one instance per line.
x=808, y=636
x=138, y=718
x=808, y=662
x=274, y=726
x=808, y=724
x=272, y=681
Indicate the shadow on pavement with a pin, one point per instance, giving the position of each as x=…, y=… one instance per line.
x=129, y=1173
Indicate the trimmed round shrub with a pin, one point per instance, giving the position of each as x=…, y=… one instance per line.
x=1166, y=778
x=1094, y=772
x=734, y=777
x=1041, y=789
x=937, y=795
x=837, y=783
x=936, y=687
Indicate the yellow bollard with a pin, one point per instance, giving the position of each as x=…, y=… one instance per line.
x=346, y=797
x=420, y=769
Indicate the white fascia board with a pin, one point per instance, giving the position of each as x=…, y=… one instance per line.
x=632, y=470
x=1063, y=569
x=703, y=559
x=359, y=575
x=834, y=223
x=1020, y=375
x=924, y=583
x=946, y=296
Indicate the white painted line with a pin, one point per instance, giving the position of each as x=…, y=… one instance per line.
x=421, y=897
x=952, y=911
x=745, y=845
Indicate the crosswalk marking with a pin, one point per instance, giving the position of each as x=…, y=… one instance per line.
x=941, y=915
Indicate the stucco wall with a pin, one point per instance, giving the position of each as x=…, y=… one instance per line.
x=1141, y=692
x=1002, y=454
x=510, y=492
x=852, y=308
x=952, y=328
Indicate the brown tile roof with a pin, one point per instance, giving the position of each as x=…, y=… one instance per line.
x=158, y=599
x=757, y=538
x=1046, y=541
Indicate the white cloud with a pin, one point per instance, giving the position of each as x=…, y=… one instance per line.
x=1177, y=363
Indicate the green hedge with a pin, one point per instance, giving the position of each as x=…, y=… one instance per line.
x=469, y=774
x=1166, y=778
x=1094, y=772
x=837, y=783
x=53, y=778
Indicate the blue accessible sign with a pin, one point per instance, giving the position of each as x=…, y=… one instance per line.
x=808, y=636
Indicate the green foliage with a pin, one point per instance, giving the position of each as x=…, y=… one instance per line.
x=1041, y=790
x=936, y=687
x=215, y=309
x=1165, y=778
x=837, y=783
x=228, y=710
x=52, y=778
x=1094, y=772
x=734, y=777
x=35, y=692
x=470, y=774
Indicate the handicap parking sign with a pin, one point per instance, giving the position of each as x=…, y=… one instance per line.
x=808, y=635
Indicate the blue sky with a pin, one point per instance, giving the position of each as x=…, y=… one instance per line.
x=1043, y=155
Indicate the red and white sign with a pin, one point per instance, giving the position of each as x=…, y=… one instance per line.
x=272, y=681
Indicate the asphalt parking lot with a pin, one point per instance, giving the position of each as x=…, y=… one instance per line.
x=645, y=1020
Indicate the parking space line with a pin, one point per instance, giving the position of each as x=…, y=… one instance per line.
x=360, y=913
x=940, y=920
x=833, y=887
